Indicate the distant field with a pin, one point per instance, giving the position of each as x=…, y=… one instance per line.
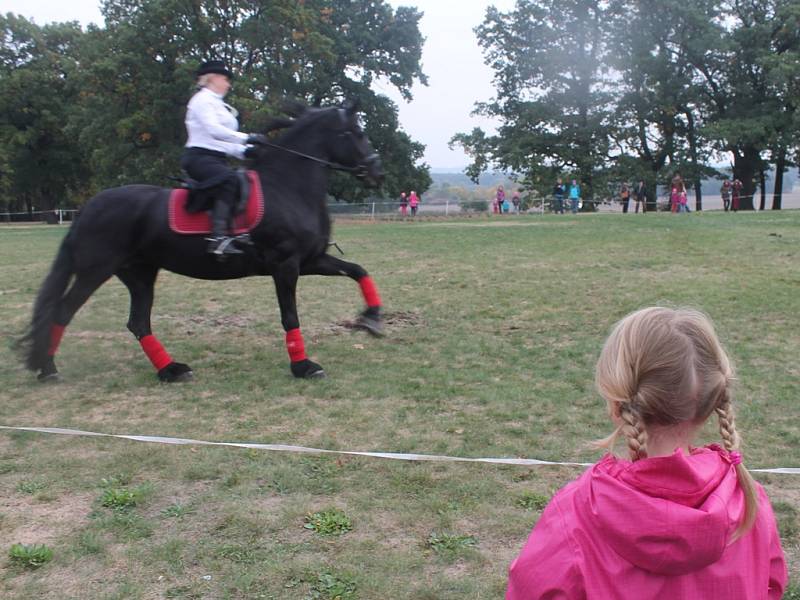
x=494, y=328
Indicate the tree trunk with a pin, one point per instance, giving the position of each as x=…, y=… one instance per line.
x=651, y=198
x=698, y=194
x=745, y=168
x=780, y=166
x=762, y=184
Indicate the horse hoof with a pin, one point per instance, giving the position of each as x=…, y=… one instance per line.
x=183, y=377
x=175, y=373
x=49, y=377
x=305, y=369
x=370, y=325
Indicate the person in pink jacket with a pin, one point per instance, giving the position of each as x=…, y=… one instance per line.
x=413, y=202
x=675, y=521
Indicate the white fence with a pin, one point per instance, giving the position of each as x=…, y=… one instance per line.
x=392, y=210
x=57, y=216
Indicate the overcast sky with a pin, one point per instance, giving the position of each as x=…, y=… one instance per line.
x=451, y=59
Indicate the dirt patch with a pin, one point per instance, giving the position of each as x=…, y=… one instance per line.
x=29, y=521
x=216, y=321
x=392, y=320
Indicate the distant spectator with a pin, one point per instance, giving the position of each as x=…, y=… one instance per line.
x=683, y=206
x=559, y=191
x=413, y=202
x=574, y=196
x=640, y=195
x=736, y=195
x=500, y=197
x=677, y=181
x=515, y=201
x=624, y=197
x=403, y=204
x=674, y=199
x=725, y=192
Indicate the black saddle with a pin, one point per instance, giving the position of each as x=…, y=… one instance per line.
x=203, y=193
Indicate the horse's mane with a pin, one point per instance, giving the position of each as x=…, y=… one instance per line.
x=298, y=114
x=294, y=128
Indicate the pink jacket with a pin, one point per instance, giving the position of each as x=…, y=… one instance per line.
x=656, y=528
x=413, y=200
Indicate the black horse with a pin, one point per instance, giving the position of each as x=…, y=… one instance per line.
x=125, y=232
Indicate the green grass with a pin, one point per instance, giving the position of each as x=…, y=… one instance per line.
x=494, y=326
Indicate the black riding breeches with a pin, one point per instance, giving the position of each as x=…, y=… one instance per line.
x=210, y=169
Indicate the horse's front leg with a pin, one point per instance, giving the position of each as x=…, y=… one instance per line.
x=285, y=285
x=140, y=281
x=329, y=265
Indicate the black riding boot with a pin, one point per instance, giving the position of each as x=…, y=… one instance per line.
x=221, y=244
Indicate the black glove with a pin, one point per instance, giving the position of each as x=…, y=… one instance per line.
x=251, y=151
x=256, y=139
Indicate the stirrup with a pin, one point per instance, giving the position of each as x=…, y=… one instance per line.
x=242, y=238
x=221, y=245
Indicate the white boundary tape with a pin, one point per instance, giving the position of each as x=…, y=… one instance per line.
x=303, y=449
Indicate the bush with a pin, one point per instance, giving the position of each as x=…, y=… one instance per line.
x=475, y=206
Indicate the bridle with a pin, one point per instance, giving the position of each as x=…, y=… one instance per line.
x=361, y=170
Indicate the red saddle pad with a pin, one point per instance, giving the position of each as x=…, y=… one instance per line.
x=181, y=221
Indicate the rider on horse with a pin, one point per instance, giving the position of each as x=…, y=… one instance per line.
x=213, y=135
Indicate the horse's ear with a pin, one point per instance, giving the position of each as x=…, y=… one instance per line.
x=277, y=123
x=352, y=106
x=293, y=108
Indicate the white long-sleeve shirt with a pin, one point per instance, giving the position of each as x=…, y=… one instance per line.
x=212, y=124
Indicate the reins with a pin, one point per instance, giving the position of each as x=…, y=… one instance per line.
x=322, y=161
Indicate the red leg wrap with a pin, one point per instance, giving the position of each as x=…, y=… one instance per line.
x=295, y=346
x=155, y=352
x=56, y=333
x=370, y=291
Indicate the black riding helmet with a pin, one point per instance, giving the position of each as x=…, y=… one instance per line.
x=214, y=66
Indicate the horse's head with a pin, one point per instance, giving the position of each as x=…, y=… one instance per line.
x=331, y=136
x=351, y=148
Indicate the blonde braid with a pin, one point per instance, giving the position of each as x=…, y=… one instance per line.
x=732, y=441
x=727, y=424
x=633, y=430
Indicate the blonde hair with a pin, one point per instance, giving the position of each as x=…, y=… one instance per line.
x=202, y=81
x=664, y=367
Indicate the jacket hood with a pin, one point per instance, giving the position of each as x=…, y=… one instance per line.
x=669, y=515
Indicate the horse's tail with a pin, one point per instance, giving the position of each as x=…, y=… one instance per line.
x=35, y=342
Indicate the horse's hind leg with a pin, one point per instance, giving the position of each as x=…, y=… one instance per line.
x=326, y=264
x=140, y=281
x=82, y=288
x=285, y=285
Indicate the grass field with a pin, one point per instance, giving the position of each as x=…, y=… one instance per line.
x=494, y=327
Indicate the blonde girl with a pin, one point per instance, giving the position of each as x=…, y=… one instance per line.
x=674, y=520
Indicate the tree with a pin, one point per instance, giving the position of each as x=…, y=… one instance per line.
x=551, y=99
x=41, y=166
x=784, y=86
x=319, y=51
x=621, y=89
x=746, y=112
x=659, y=115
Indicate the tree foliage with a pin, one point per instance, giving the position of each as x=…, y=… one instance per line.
x=547, y=56
x=41, y=165
x=617, y=90
x=121, y=89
